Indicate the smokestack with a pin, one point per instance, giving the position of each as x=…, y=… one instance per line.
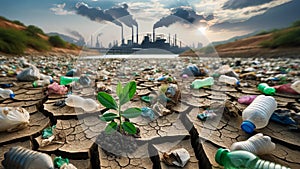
x=137, y=34
x=122, y=35
x=180, y=44
x=170, y=39
x=91, y=40
x=175, y=39
x=132, y=38
x=153, y=34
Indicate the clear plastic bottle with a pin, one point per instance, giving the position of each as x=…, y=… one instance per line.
x=229, y=80
x=258, y=113
x=41, y=83
x=198, y=83
x=44, y=77
x=257, y=144
x=266, y=89
x=6, y=93
x=67, y=80
x=296, y=86
x=79, y=102
x=241, y=159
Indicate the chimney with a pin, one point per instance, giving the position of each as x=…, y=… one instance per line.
x=137, y=34
x=122, y=35
x=91, y=40
x=180, y=44
x=153, y=34
x=170, y=39
x=175, y=39
x=132, y=38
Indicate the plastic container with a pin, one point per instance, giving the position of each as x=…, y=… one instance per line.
x=257, y=144
x=229, y=80
x=45, y=77
x=23, y=158
x=258, y=113
x=6, y=93
x=79, y=102
x=241, y=159
x=296, y=86
x=198, y=83
x=41, y=83
x=67, y=80
x=266, y=89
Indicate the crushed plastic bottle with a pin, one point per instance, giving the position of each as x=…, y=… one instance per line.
x=229, y=80
x=148, y=112
x=241, y=159
x=45, y=77
x=23, y=158
x=41, y=83
x=29, y=75
x=266, y=89
x=198, y=83
x=258, y=113
x=59, y=161
x=6, y=93
x=67, y=80
x=257, y=144
x=79, y=102
x=285, y=89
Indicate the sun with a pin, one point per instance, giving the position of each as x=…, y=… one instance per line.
x=202, y=29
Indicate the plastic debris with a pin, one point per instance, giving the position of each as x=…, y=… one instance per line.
x=88, y=104
x=59, y=161
x=247, y=99
x=207, y=114
x=6, y=93
x=55, y=88
x=178, y=157
x=13, y=119
x=29, y=75
x=148, y=112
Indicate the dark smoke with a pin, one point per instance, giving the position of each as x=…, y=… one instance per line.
x=95, y=14
x=186, y=15
x=76, y=34
x=121, y=13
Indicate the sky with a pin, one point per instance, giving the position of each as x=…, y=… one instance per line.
x=193, y=21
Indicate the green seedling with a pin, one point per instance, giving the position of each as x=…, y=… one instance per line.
x=124, y=94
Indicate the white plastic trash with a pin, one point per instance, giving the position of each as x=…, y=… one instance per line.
x=79, y=102
x=12, y=119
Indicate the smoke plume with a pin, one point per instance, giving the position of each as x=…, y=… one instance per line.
x=121, y=13
x=75, y=34
x=182, y=14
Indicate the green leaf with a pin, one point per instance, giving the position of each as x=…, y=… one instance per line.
x=129, y=127
x=132, y=113
x=108, y=117
x=111, y=127
x=119, y=89
x=128, y=92
x=107, y=101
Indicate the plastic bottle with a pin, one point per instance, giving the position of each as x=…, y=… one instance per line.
x=258, y=113
x=6, y=93
x=296, y=86
x=257, y=144
x=41, y=83
x=67, y=80
x=266, y=89
x=44, y=77
x=229, y=80
x=198, y=83
x=86, y=104
x=241, y=159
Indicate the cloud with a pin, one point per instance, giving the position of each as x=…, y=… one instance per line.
x=59, y=9
x=121, y=13
x=239, y=13
x=184, y=15
x=95, y=14
x=234, y=4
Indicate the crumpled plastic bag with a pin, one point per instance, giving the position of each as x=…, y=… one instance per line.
x=13, y=119
x=55, y=88
x=29, y=75
x=178, y=157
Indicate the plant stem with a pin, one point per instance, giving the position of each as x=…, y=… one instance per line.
x=120, y=117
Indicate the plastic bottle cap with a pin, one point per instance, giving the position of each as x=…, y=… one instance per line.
x=218, y=157
x=12, y=95
x=34, y=84
x=248, y=126
x=51, y=81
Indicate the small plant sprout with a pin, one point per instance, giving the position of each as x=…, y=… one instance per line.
x=124, y=94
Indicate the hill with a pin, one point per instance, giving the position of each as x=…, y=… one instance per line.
x=273, y=43
x=78, y=42
x=234, y=39
x=17, y=38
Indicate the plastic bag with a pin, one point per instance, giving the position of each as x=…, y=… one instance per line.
x=13, y=119
x=29, y=75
